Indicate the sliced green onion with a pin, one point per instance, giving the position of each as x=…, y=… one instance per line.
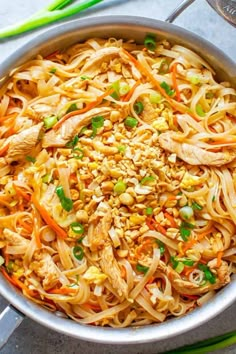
x=196, y=206
x=82, y=131
x=200, y=111
x=164, y=67
x=131, y=122
x=161, y=246
x=188, y=262
x=79, y=240
x=77, y=228
x=46, y=178
x=84, y=77
x=186, y=212
x=142, y=269
x=73, y=107
x=138, y=107
x=2, y=261
x=71, y=144
x=30, y=159
x=78, y=155
x=124, y=89
x=98, y=122
x=155, y=98
x=49, y=122
x=184, y=233
x=195, y=80
x=120, y=187
x=149, y=211
x=174, y=261
x=78, y=253
x=180, y=267
x=167, y=88
x=213, y=198
x=121, y=148
x=10, y=267
x=150, y=42
x=147, y=179
x=207, y=272
x=66, y=203
x=53, y=70
x=116, y=88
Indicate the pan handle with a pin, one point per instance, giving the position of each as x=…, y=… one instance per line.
x=10, y=319
x=178, y=10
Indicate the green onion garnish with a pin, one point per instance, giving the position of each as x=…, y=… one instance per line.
x=167, y=88
x=73, y=107
x=53, y=70
x=66, y=203
x=185, y=230
x=161, y=246
x=78, y=253
x=147, y=179
x=121, y=148
x=194, y=80
x=196, y=206
x=46, y=178
x=213, y=198
x=179, y=268
x=30, y=159
x=49, y=122
x=97, y=122
x=116, y=88
x=164, y=67
x=124, y=89
x=207, y=272
x=77, y=228
x=200, y=111
x=150, y=42
x=155, y=98
x=149, y=211
x=188, y=262
x=84, y=77
x=120, y=187
x=186, y=212
x=78, y=155
x=131, y=122
x=71, y=144
x=142, y=269
x=138, y=107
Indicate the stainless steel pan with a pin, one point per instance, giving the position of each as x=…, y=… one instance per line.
x=60, y=37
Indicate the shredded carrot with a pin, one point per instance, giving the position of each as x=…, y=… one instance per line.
x=95, y=307
x=25, y=226
x=20, y=191
x=8, y=277
x=130, y=93
x=174, y=80
x=160, y=229
x=63, y=291
x=123, y=272
x=4, y=149
x=219, y=259
x=171, y=219
x=188, y=270
x=47, y=218
x=176, y=105
x=171, y=197
x=192, y=242
x=9, y=116
x=153, y=225
x=142, y=247
x=85, y=109
x=14, y=280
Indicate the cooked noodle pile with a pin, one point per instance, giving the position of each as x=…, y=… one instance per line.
x=118, y=181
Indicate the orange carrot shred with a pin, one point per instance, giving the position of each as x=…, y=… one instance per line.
x=4, y=149
x=219, y=259
x=20, y=191
x=171, y=219
x=63, y=291
x=47, y=218
x=130, y=93
x=83, y=110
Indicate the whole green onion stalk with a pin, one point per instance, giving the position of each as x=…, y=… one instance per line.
x=49, y=14
x=208, y=345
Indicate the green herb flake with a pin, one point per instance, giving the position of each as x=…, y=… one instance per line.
x=199, y=111
x=30, y=159
x=167, y=89
x=85, y=77
x=138, y=107
x=196, y=206
x=150, y=42
x=49, y=122
x=207, y=273
x=147, y=179
x=142, y=269
x=53, y=70
x=78, y=253
x=73, y=107
x=71, y=144
x=66, y=203
x=161, y=246
x=77, y=228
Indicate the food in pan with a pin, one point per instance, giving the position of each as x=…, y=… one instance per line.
x=118, y=181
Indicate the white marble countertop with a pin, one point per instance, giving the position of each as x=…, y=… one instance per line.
x=31, y=338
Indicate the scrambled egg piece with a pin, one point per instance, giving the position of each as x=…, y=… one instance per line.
x=190, y=180
x=160, y=124
x=94, y=275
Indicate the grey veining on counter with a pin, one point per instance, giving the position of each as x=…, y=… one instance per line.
x=32, y=338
